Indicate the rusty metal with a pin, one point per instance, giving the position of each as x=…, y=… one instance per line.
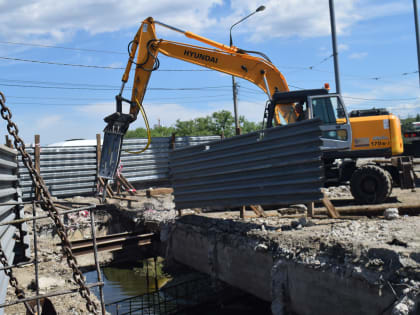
x=38, y=305
x=111, y=242
x=98, y=268
x=44, y=216
x=48, y=206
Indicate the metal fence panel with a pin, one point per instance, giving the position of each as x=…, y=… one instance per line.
x=69, y=171
x=275, y=166
x=9, y=193
x=66, y=171
x=153, y=164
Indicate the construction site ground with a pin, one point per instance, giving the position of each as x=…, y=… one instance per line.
x=367, y=246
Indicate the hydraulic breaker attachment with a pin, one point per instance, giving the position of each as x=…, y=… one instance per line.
x=114, y=132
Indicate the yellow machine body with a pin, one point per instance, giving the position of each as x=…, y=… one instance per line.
x=377, y=133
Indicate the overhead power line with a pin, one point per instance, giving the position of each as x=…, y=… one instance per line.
x=311, y=68
x=62, y=47
x=383, y=99
x=80, y=99
x=60, y=63
x=116, y=88
x=90, y=66
x=321, y=62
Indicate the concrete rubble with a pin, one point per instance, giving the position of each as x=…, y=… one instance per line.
x=299, y=264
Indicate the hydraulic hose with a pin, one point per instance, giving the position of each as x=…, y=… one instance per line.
x=146, y=122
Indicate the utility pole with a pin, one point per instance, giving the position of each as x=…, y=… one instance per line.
x=334, y=44
x=234, y=84
x=235, y=105
x=416, y=21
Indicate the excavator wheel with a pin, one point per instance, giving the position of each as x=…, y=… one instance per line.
x=370, y=184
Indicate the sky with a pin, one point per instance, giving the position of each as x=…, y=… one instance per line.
x=376, y=41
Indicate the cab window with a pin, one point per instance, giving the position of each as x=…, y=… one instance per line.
x=329, y=110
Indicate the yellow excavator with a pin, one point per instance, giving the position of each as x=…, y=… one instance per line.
x=346, y=137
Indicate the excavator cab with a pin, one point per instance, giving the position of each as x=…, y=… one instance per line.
x=318, y=103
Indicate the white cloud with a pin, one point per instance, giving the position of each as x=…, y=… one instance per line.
x=47, y=122
x=401, y=99
x=169, y=113
x=343, y=47
x=305, y=18
x=58, y=21
x=358, y=55
x=51, y=21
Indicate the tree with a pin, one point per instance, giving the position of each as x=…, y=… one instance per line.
x=223, y=123
x=214, y=124
x=248, y=126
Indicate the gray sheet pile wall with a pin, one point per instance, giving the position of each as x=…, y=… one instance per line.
x=284, y=167
x=9, y=193
x=153, y=164
x=66, y=171
x=70, y=171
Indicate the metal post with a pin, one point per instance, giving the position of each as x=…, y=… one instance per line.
x=416, y=21
x=334, y=44
x=37, y=158
x=38, y=305
x=147, y=275
x=95, y=253
x=173, y=140
x=156, y=279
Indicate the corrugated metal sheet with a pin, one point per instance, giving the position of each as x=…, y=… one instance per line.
x=69, y=171
x=66, y=171
x=282, y=167
x=9, y=193
x=153, y=164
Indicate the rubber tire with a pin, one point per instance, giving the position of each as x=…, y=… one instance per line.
x=370, y=184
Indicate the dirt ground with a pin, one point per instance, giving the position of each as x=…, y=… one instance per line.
x=54, y=273
x=285, y=225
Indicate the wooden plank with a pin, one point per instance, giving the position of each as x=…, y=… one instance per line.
x=332, y=213
x=108, y=189
x=158, y=191
x=375, y=209
x=310, y=207
x=259, y=211
x=9, y=142
x=128, y=187
x=242, y=212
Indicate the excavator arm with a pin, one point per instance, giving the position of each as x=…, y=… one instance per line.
x=227, y=59
x=222, y=58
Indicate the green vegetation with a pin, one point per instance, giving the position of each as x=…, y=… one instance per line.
x=218, y=123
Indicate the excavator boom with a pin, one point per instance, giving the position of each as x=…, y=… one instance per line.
x=143, y=53
x=222, y=58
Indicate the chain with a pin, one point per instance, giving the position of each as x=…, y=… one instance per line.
x=48, y=205
x=13, y=281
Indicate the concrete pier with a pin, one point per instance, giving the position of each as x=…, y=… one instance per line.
x=306, y=267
